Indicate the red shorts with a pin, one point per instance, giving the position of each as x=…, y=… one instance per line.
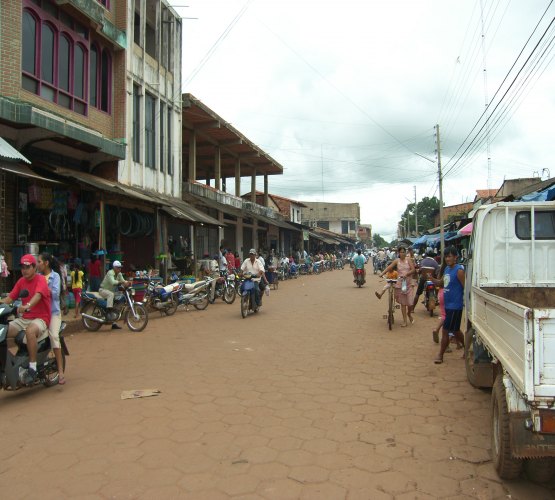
x=77, y=294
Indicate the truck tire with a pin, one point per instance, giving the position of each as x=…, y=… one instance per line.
x=540, y=470
x=505, y=464
x=478, y=375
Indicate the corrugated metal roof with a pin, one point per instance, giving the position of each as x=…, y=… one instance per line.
x=9, y=152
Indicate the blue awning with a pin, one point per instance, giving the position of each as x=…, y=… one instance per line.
x=421, y=241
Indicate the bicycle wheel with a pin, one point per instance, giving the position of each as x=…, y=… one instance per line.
x=391, y=303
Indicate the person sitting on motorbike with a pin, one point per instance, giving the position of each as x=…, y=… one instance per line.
x=35, y=311
x=428, y=267
x=49, y=267
x=109, y=285
x=358, y=263
x=253, y=266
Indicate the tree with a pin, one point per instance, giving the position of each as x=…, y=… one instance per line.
x=427, y=208
x=379, y=242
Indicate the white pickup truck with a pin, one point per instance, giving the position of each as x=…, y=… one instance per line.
x=510, y=336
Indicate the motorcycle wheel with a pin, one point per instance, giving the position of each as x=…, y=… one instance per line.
x=136, y=324
x=93, y=310
x=244, y=305
x=51, y=375
x=229, y=294
x=201, y=306
x=170, y=310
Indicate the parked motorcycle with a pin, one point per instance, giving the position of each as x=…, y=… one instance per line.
x=248, y=302
x=359, y=277
x=293, y=271
x=162, y=298
x=430, y=297
x=223, y=287
x=13, y=366
x=94, y=313
x=196, y=294
x=282, y=272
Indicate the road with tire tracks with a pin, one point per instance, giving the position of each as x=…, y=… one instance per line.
x=310, y=398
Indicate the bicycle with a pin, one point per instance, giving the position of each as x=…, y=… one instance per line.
x=391, y=306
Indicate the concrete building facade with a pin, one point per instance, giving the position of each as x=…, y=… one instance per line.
x=341, y=218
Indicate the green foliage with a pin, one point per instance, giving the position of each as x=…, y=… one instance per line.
x=427, y=208
x=379, y=242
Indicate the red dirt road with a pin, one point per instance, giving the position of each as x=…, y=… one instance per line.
x=312, y=398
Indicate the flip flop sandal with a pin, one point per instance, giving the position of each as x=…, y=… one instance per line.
x=438, y=361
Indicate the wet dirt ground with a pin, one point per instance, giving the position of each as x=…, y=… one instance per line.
x=311, y=398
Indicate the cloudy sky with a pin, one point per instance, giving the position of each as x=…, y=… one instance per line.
x=346, y=94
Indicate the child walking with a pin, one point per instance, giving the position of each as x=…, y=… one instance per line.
x=77, y=285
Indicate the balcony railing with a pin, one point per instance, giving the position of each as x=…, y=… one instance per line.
x=211, y=193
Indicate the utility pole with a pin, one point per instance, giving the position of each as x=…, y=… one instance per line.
x=440, y=179
x=415, y=215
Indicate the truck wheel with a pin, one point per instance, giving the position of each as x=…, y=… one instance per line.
x=469, y=356
x=540, y=470
x=505, y=464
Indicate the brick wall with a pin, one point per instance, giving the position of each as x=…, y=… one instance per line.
x=111, y=125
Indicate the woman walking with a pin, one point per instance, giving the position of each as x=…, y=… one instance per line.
x=404, y=288
x=50, y=268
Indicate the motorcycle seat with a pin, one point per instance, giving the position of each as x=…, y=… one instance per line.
x=191, y=286
x=92, y=295
x=21, y=339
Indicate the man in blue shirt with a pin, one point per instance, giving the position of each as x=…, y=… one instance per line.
x=358, y=263
x=453, y=293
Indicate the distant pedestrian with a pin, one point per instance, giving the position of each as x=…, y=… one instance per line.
x=77, y=286
x=95, y=273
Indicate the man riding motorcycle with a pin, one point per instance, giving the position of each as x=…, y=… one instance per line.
x=109, y=284
x=358, y=263
x=254, y=266
x=428, y=267
x=35, y=311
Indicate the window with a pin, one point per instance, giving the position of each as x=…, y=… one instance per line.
x=106, y=81
x=544, y=225
x=169, y=133
x=29, y=43
x=93, y=88
x=324, y=224
x=150, y=130
x=151, y=31
x=100, y=82
x=344, y=227
x=352, y=225
x=162, y=138
x=54, y=55
x=137, y=24
x=166, y=39
x=136, y=124
x=105, y=3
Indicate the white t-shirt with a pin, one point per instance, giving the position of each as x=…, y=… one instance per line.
x=253, y=267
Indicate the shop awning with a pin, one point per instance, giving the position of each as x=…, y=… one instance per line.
x=7, y=151
x=174, y=207
x=270, y=220
x=325, y=239
x=190, y=214
x=25, y=171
